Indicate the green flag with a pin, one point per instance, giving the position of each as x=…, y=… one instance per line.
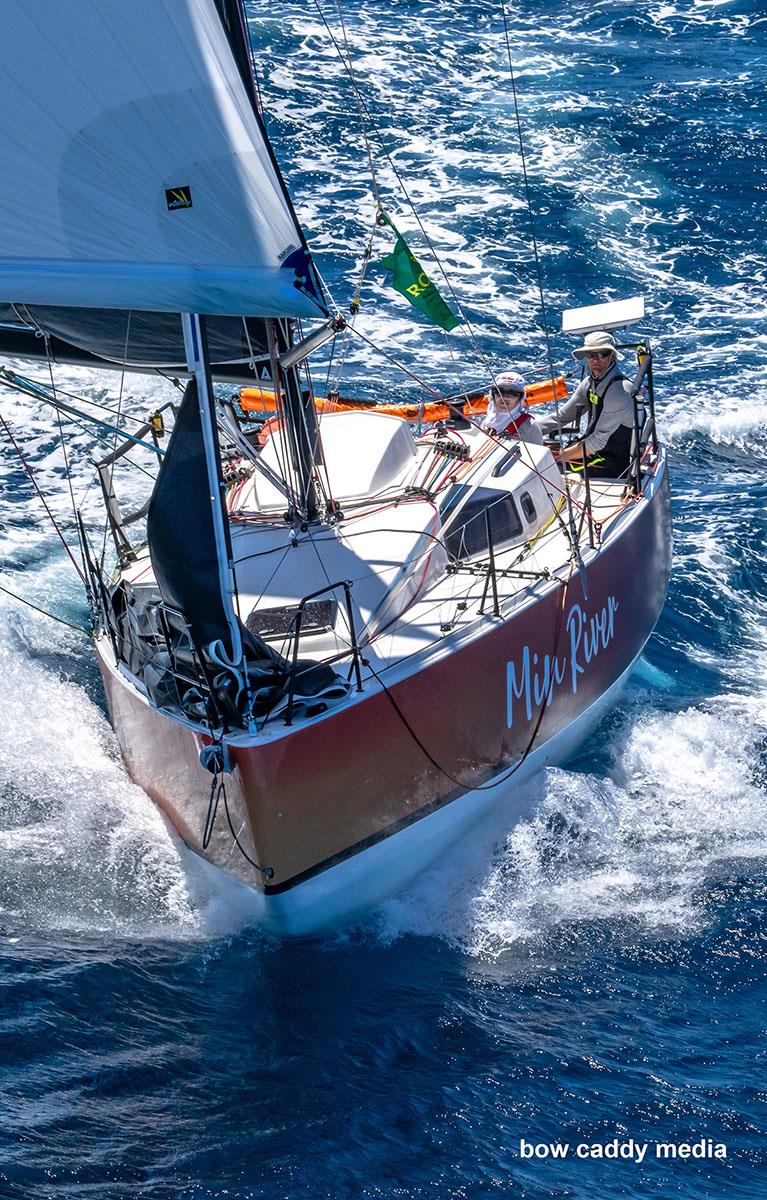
x=409, y=278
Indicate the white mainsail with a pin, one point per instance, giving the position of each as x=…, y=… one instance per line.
x=135, y=173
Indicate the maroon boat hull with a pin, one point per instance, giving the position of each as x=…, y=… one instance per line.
x=318, y=793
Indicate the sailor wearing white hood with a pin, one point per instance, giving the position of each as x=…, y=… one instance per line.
x=506, y=411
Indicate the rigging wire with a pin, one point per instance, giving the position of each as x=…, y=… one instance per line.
x=354, y=308
x=36, y=486
x=38, y=392
x=118, y=431
x=60, y=391
x=427, y=387
x=317, y=475
x=528, y=199
x=563, y=489
x=82, y=423
x=530, y=212
x=363, y=110
x=60, y=426
x=44, y=611
x=362, y=106
x=347, y=63
x=288, y=464
x=320, y=466
x=169, y=379
x=329, y=373
x=285, y=549
x=574, y=542
x=279, y=431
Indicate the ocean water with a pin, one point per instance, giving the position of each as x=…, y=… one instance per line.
x=591, y=977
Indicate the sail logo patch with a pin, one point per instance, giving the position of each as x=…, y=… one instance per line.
x=178, y=197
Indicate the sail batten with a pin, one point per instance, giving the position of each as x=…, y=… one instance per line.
x=144, y=179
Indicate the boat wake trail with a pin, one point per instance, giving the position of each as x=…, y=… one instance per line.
x=683, y=805
x=81, y=848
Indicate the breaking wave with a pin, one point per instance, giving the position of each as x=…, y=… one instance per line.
x=682, y=803
x=82, y=849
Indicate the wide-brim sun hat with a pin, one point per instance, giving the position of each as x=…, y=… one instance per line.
x=593, y=342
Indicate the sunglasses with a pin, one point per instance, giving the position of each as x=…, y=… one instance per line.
x=600, y=354
x=507, y=393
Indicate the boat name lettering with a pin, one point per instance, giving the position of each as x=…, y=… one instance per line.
x=534, y=678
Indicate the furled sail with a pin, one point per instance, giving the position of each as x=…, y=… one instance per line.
x=182, y=540
x=186, y=564
x=180, y=530
x=142, y=179
x=136, y=341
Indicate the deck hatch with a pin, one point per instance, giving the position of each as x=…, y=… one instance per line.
x=319, y=617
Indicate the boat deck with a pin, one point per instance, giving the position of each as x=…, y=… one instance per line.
x=414, y=600
x=464, y=597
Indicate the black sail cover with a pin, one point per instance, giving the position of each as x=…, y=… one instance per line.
x=182, y=540
x=180, y=532
x=182, y=547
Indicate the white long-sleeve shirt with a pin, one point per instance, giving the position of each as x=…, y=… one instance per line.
x=617, y=410
x=526, y=428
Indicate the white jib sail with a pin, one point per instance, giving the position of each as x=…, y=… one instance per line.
x=134, y=173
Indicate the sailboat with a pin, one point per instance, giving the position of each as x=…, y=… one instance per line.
x=327, y=652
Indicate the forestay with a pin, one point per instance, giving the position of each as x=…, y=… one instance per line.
x=135, y=172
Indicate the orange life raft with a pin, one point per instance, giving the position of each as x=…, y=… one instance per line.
x=262, y=400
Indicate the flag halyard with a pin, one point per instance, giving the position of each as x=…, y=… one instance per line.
x=411, y=281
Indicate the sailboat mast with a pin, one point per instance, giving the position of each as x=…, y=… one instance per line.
x=234, y=21
x=197, y=360
x=299, y=414
x=235, y=25
x=300, y=421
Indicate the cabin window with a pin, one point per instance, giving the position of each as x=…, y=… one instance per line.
x=528, y=507
x=467, y=536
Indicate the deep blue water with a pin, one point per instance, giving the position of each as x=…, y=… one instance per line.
x=595, y=972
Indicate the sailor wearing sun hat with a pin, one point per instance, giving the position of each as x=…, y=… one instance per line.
x=506, y=411
x=598, y=342
x=605, y=395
